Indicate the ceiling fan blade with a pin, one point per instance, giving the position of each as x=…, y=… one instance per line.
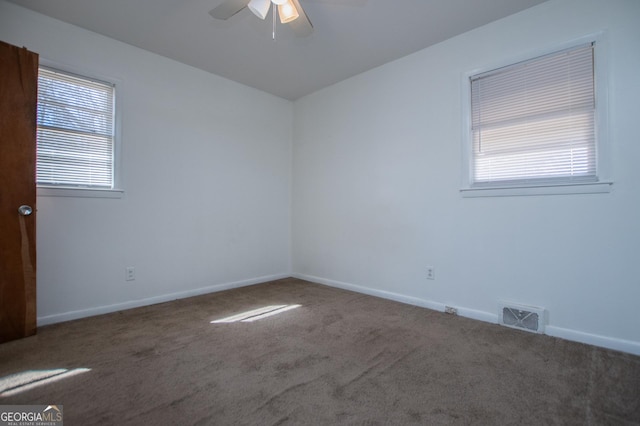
x=228, y=8
x=302, y=26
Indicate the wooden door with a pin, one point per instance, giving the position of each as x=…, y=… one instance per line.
x=18, y=103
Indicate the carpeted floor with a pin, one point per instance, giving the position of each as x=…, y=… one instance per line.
x=338, y=358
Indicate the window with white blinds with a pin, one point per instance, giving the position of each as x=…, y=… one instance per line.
x=533, y=123
x=75, y=131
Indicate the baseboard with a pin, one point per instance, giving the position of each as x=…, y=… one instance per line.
x=477, y=315
x=621, y=345
x=409, y=300
x=99, y=310
x=398, y=297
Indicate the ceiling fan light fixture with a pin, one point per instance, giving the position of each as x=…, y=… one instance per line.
x=260, y=8
x=287, y=12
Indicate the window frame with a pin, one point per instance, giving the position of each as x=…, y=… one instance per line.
x=603, y=183
x=87, y=192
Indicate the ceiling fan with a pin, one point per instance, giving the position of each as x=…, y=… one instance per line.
x=290, y=13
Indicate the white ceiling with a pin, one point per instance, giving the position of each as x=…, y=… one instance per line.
x=350, y=36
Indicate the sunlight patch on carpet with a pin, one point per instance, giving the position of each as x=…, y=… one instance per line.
x=21, y=382
x=257, y=314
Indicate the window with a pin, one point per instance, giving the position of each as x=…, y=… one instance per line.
x=533, y=123
x=76, y=140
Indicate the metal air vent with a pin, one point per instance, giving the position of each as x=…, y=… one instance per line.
x=528, y=318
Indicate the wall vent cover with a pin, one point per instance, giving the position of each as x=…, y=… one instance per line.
x=522, y=317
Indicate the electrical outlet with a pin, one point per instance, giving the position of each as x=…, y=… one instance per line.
x=431, y=273
x=130, y=273
x=450, y=310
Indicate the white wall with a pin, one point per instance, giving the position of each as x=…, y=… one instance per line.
x=206, y=175
x=377, y=173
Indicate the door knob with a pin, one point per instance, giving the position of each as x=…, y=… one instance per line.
x=25, y=210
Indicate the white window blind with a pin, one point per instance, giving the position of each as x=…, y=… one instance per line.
x=534, y=122
x=75, y=131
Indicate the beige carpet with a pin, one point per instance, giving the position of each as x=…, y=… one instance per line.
x=338, y=358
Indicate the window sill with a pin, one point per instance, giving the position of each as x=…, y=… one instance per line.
x=47, y=191
x=583, y=188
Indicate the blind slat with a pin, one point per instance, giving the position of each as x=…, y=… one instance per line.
x=75, y=131
x=534, y=121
